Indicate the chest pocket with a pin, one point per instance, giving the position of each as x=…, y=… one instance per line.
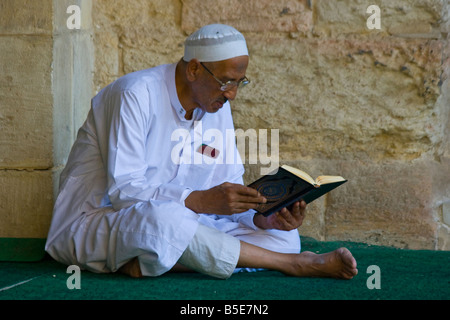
x=196, y=169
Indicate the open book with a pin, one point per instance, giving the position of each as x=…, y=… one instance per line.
x=288, y=185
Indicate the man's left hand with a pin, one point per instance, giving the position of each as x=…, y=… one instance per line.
x=285, y=219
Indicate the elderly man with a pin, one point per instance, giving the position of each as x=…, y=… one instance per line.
x=131, y=199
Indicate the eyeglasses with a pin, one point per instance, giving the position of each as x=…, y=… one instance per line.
x=229, y=85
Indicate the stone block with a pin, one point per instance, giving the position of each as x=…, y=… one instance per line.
x=107, y=58
x=26, y=102
x=72, y=89
x=72, y=74
x=388, y=204
x=399, y=18
x=135, y=36
x=26, y=17
x=134, y=59
x=249, y=16
x=26, y=203
x=332, y=98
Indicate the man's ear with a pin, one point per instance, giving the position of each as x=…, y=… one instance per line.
x=192, y=70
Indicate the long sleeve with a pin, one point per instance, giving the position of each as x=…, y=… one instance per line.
x=129, y=179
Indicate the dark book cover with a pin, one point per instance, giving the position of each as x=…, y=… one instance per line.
x=283, y=188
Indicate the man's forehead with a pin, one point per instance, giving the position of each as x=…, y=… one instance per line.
x=233, y=69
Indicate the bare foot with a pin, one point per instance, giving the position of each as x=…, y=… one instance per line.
x=132, y=268
x=336, y=264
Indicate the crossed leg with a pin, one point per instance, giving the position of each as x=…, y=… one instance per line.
x=336, y=264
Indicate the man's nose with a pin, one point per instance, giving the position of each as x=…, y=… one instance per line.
x=231, y=94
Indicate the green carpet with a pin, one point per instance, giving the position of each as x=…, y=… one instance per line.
x=20, y=249
x=404, y=275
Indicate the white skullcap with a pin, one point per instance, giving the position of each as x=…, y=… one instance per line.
x=215, y=42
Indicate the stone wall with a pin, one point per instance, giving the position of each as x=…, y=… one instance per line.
x=26, y=135
x=45, y=89
x=369, y=104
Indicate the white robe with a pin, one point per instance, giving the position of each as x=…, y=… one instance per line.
x=133, y=164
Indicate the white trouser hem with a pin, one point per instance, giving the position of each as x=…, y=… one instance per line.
x=212, y=252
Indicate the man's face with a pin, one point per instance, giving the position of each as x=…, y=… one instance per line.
x=207, y=91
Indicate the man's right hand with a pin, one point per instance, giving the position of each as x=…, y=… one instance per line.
x=227, y=198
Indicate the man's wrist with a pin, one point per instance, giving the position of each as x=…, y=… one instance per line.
x=185, y=195
x=193, y=201
x=260, y=221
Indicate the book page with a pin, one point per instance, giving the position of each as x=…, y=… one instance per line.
x=328, y=179
x=299, y=173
